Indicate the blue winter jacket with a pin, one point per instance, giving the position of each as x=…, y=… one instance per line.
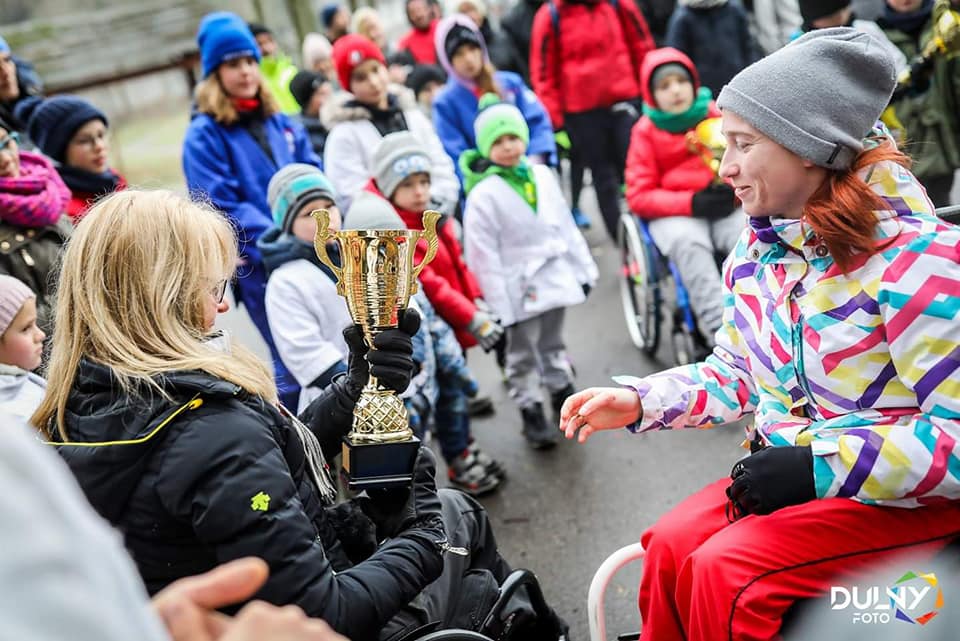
x=455, y=109
x=717, y=40
x=225, y=164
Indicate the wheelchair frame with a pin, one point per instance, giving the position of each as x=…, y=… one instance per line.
x=635, y=552
x=644, y=271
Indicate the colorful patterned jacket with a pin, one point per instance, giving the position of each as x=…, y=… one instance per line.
x=864, y=368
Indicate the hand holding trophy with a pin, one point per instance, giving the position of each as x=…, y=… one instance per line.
x=377, y=277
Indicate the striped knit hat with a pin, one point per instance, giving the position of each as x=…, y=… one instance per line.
x=293, y=187
x=496, y=119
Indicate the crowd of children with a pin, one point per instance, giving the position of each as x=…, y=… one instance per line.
x=267, y=144
x=460, y=117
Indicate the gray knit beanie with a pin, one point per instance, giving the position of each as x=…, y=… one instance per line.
x=13, y=294
x=819, y=96
x=370, y=211
x=397, y=156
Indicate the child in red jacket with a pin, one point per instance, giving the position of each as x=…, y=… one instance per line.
x=401, y=167
x=690, y=214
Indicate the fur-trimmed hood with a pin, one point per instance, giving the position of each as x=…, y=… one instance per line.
x=343, y=107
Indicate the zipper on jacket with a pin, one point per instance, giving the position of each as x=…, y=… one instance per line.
x=798, y=365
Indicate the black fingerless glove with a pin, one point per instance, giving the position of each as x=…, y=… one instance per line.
x=714, y=202
x=772, y=478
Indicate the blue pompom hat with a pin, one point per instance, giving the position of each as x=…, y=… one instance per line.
x=223, y=36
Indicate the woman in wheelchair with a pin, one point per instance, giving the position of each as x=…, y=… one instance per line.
x=178, y=440
x=691, y=214
x=842, y=299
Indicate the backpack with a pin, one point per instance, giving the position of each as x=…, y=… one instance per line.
x=555, y=14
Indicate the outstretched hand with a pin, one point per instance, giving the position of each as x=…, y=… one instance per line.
x=598, y=408
x=188, y=608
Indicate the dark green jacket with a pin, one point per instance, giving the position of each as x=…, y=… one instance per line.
x=932, y=119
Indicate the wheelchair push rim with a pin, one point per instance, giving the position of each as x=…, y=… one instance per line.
x=639, y=291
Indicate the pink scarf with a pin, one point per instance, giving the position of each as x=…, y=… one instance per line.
x=35, y=198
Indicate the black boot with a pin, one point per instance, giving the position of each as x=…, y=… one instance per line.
x=557, y=399
x=539, y=435
x=479, y=406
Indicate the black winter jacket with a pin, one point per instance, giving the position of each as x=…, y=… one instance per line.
x=717, y=40
x=517, y=26
x=217, y=474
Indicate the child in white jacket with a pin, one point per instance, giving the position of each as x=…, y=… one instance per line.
x=306, y=315
x=21, y=350
x=529, y=258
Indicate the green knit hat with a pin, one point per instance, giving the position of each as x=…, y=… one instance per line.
x=495, y=119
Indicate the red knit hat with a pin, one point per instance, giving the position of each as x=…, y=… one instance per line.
x=349, y=51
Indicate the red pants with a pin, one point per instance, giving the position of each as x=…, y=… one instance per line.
x=706, y=579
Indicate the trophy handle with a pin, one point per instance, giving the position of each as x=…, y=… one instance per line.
x=322, y=216
x=430, y=219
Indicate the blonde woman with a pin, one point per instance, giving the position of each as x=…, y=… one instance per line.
x=176, y=439
x=236, y=141
x=366, y=22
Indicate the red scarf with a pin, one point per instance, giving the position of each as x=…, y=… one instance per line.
x=245, y=105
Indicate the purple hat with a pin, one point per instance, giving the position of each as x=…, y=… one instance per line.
x=453, y=31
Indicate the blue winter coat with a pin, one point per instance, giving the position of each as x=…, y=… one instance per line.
x=717, y=40
x=225, y=164
x=455, y=108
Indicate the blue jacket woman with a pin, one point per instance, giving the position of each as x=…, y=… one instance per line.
x=462, y=52
x=236, y=141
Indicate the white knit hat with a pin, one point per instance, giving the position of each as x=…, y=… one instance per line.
x=13, y=294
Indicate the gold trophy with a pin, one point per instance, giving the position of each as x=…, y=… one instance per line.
x=707, y=142
x=377, y=278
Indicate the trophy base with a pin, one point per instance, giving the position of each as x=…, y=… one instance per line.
x=379, y=465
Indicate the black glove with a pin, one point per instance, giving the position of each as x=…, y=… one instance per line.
x=921, y=73
x=397, y=509
x=586, y=289
x=773, y=478
x=714, y=202
x=391, y=360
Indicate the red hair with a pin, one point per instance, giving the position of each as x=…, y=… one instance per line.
x=841, y=211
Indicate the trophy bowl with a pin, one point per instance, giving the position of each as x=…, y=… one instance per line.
x=376, y=277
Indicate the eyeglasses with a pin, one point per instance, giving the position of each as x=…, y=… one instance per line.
x=219, y=291
x=91, y=141
x=12, y=137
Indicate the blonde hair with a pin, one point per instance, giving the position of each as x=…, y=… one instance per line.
x=134, y=280
x=316, y=47
x=360, y=18
x=214, y=101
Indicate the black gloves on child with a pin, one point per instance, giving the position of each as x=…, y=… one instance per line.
x=772, y=478
x=391, y=362
x=714, y=202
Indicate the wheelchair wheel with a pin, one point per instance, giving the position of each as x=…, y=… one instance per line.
x=639, y=288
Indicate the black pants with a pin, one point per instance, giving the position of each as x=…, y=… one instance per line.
x=475, y=577
x=469, y=585
x=601, y=138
